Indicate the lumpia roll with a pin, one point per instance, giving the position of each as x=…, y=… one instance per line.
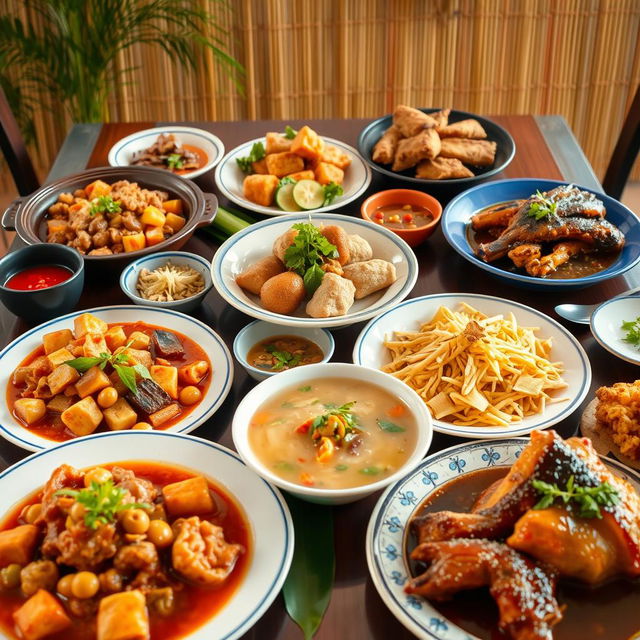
x=385, y=149
x=411, y=121
x=424, y=146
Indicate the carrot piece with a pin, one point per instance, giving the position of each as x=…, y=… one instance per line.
x=396, y=411
x=304, y=427
x=261, y=417
x=306, y=479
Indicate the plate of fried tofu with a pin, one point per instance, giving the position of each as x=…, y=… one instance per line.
x=438, y=147
x=260, y=174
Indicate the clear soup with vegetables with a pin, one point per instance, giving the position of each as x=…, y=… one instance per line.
x=333, y=433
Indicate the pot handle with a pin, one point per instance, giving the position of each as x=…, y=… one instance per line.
x=210, y=210
x=9, y=215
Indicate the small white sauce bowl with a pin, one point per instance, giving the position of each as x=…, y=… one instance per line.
x=606, y=326
x=130, y=274
x=259, y=330
x=301, y=375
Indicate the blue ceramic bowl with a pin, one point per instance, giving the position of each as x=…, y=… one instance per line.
x=457, y=216
x=129, y=278
x=39, y=305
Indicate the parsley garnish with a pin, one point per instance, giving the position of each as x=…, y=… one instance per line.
x=306, y=255
x=257, y=153
x=588, y=499
x=282, y=358
x=390, y=427
x=290, y=132
x=104, y=204
x=331, y=192
x=344, y=411
x=541, y=207
x=633, y=332
x=174, y=161
x=126, y=373
x=102, y=502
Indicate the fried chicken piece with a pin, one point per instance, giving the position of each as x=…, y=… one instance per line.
x=469, y=128
x=618, y=411
x=523, y=590
x=384, y=150
x=479, y=153
x=442, y=118
x=424, y=145
x=497, y=216
x=410, y=121
x=442, y=169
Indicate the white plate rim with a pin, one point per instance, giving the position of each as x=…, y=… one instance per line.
x=593, y=322
x=385, y=591
x=287, y=522
x=293, y=321
x=340, y=201
x=222, y=368
x=112, y=158
x=484, y=433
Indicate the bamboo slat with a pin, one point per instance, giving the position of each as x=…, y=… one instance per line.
x=358, y=58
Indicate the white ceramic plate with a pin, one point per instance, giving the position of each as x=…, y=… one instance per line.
x=219, y=356
x=263, y=507
x=385, y=535
x=229, y=178
x=246, y=247
x=369, y=351
x=606, y=326
x=123, y=152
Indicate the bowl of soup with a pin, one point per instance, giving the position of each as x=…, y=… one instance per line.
x=412, y=215
x=332, y=433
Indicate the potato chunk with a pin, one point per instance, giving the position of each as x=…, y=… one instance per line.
x=94, y=344
x=123, y=616
x=120, y=415
x=115, y=338
x=40, y=616
x=138, y=340
x=281, y=164
x=30, y=410
x=260, y=189
x=59, y=403
x=137, y=356
x=87, y=323
x=165, y=414
x=92, y=381
x=188, y=497
x=56, y=340
x=61, y=377
x=194, y=372
x=18, y=544
x=166, y=377
x=59, y=357
x=83, y=417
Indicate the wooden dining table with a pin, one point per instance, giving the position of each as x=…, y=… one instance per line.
x=545, y=148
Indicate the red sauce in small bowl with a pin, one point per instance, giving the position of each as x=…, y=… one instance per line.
x=40, y=277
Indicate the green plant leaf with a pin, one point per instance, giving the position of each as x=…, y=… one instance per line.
x=84, y=364
x=391, y=427
x=307, y=589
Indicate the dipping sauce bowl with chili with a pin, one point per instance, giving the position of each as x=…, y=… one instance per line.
x=411, y=214
x=265, y=349
x=41, y=281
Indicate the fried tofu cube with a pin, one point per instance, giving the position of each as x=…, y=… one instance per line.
x=281, y=164
x=115, y=337
x=123, y=616
x=138, y=340
x=166, y=377
x=120, y=415
x=260, y=189
x=18, y=544
x=97, y=189
x=58, y=357
x=40, y=616
x=61, y=377
x=307, y=174
x=87, y=323
x=59, y=403
x=307, y=143
x=92, y=381
x=335, y=156
x=175, y=221
x=277, y=142
x=259, y=166
x=83, y=417
x=56, y=340
x=326, y=173
x=187, y=497
x=29, y=410
x=163, y=415
x=94, y=344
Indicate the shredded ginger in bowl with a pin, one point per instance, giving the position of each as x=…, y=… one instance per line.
x=169, y=282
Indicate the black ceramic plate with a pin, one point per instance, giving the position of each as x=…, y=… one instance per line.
x=504, y=154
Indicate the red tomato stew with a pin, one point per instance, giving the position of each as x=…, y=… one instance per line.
x=41, y=277
x=402, y=216
x=102, y=377
x=71, y=570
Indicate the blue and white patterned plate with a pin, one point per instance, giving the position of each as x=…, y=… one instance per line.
x=395, y=508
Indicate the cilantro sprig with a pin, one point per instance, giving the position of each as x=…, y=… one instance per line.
x=282, y=358
x=632, y=329
x=126, y=373
x=290, y=133
x=257, y=153
x=331, y=192
x=306, y=255
x=102, y=502
x=104, y=204
x=541, y=207
x=588, y=500
x=174, y=161
x=343, y=411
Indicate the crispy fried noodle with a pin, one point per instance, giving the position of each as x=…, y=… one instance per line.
x=474, y=370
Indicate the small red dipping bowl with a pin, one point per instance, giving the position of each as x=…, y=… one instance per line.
x=413, y=237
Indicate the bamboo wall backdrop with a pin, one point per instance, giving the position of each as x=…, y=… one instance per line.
x=358, y=58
